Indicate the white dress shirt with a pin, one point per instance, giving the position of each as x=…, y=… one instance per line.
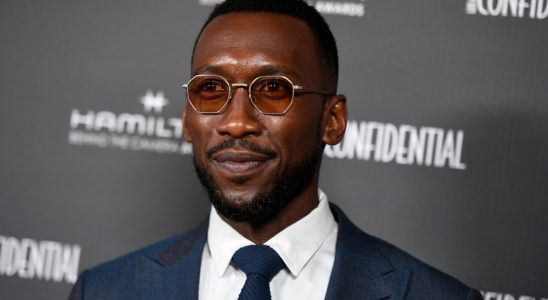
x=307, y=248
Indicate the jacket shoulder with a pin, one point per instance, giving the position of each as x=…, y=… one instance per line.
x=114, y=279
x=424, y=281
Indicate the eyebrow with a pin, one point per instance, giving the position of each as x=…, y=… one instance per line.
x=212, y=69
x=262, y=70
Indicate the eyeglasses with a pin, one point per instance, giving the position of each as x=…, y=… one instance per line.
x=270, y=95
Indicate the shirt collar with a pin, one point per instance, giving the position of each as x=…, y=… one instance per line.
x=296, y=244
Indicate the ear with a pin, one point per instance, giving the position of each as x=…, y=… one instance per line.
x=186, y=134
x=334, y=119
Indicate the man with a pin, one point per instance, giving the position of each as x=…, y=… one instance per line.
x=261, y=106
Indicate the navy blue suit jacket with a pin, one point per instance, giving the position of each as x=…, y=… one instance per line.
x=365, y=268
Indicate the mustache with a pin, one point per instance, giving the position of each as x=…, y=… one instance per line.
x=245, y=144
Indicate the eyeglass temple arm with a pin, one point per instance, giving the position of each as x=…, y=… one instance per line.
x=302, y=89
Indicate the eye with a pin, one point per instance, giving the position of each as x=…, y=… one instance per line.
x=208, y=88
x=211, y=86
x=273, y=88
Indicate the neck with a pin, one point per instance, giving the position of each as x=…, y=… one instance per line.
x=295, y=210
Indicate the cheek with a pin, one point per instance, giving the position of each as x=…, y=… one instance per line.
x=200, y=130
x=297, y=137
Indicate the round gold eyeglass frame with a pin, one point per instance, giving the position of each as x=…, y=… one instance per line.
x=295, y=89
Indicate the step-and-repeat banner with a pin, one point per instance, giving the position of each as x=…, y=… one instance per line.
x=445, y=154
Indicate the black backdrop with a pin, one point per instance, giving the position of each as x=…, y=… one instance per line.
x=445, y=154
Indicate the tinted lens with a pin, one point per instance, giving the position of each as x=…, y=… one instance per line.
x=208, y=94
x=272, y=94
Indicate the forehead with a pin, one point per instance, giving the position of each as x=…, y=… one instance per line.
x=242, y=43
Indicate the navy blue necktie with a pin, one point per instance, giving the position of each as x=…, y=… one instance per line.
x=260, y=263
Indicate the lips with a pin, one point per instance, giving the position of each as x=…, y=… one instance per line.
x=239, y=161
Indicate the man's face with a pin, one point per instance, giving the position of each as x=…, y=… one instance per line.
x=253, y=164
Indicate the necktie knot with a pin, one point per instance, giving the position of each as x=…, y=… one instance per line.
x=259, y=260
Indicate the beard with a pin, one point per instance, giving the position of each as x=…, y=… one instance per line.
x=272, y=197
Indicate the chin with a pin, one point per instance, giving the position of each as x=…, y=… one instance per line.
x=237, y=198
x=248, y=206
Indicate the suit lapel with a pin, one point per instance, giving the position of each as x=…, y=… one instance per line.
x=360, y=270
x=175, y=272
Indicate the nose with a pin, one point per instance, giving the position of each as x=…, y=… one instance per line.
x=240, y=117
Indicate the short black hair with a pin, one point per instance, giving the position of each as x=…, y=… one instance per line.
x=326, y=49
